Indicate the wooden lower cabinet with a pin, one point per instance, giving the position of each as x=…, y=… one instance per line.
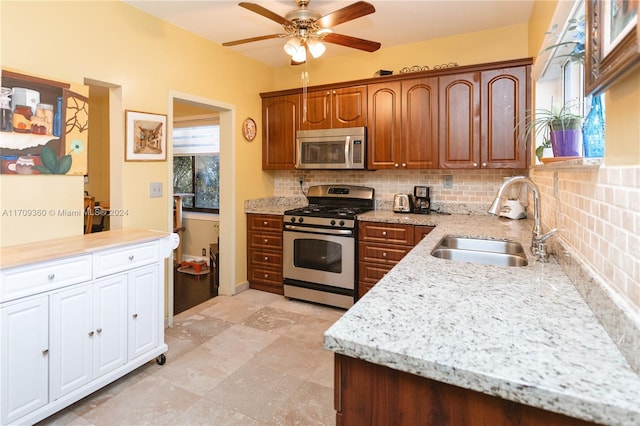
x=381, y=246
x=264, y=252
x=371, y=394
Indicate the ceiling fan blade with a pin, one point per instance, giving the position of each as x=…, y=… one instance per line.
x=353, y=11
x=265, y=12
x=249, y=40
x=354, y=42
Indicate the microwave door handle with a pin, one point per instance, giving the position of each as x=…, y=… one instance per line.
x=347, y=153
x=297, y=153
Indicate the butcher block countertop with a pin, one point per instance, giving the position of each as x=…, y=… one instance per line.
x=520, y=333
x=71, y=246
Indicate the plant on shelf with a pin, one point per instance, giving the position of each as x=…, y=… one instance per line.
x=557, y=125
x=572, y=49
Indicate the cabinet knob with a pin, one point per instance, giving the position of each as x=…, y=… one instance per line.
x=384, y=254
x=266, y=275
x=99, y=330
x=404, y=164
x=130, y=257
x=395, y=165
x=91, y=333
x=51, y=276
x=266, y=258
x=45, y=352
x=475, y=164
x=135, y=315
x=484, y=164
x=265, y=223
x=384, y=233
x=266, y=240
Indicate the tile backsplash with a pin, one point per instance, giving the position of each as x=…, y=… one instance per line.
x=470, y=187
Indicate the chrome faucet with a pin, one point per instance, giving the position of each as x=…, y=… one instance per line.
x=538, y=242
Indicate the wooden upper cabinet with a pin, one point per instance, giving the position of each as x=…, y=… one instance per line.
x=459, y=127
x=280, y=118
x=480, y=114
x=420, y=124
x=334, y=108
x=384, y=129
x=505, y=95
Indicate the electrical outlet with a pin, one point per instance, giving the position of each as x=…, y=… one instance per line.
x=155, y=189
x=301, y=179
x=204, y=252
x=447, y=181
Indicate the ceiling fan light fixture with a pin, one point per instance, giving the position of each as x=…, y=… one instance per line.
x=300, y=55
x=292, y=46
x=316, y=48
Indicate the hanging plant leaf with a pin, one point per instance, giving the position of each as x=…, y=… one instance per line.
x=64, y=165
x=49, y=159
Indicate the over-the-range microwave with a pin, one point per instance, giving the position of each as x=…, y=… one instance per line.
x=332, y=148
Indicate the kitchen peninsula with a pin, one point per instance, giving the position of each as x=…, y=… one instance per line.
x=521, y=334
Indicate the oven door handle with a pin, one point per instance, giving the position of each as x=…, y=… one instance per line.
x=318, y=231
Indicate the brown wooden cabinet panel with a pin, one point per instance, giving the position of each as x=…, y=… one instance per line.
x=419, y=124
x=264, y=252
x=384, y=128
x=375, y=395
x=505, y=95
x=390, y=233
x=459, y=127
x=381, y=253
x=280, y=121
x=334, y=108
x=421, y=231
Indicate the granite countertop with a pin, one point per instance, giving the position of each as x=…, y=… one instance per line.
x=521, y=333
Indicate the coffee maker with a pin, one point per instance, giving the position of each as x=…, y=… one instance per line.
x=422, y=202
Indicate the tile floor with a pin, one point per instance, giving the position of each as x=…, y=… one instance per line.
x=252, y=359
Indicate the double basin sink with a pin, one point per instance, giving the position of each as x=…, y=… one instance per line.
x=480, y=250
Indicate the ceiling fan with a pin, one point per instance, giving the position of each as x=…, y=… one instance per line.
x=307, y=29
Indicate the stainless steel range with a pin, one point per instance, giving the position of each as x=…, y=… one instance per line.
x=319, y=249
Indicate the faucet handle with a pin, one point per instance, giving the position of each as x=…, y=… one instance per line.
x=548, y=235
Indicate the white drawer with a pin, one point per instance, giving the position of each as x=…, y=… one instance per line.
x=124, y=258
x=35, y=278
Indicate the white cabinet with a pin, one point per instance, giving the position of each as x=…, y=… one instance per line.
x=144, y=329
x=24, y=348
x=73, y=324
x=88, y=333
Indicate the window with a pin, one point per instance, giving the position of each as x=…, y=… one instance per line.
x=196, y=163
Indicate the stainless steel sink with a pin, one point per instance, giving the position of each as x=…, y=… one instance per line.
x=480, y=250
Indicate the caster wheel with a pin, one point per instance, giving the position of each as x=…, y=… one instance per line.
x=161, y=359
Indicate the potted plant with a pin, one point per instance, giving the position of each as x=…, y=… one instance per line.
x=559, y=126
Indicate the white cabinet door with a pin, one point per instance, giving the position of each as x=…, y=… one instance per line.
x=24, y=348
x=110, y=324
x=144, y=327
x=71, y=339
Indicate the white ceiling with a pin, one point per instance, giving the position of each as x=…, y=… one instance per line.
x=394, y=22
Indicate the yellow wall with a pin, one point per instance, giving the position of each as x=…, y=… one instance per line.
x=198, y=235
x=114, y=43
x=464, y=49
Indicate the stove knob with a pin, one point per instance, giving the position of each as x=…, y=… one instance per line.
x=342, y=223
x=293, y=219
x=300, y=220
x=333, y=222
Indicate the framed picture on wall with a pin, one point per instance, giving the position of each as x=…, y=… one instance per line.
x=612, y=42
x=145, y=136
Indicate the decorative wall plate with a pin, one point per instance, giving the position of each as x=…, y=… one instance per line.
x=249, y=129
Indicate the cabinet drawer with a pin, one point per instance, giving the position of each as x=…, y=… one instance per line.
x=124, y=258
x=421, y=231
x=264, y=222
x=381, y=254
x=265, y=276
x=265, y=240
x=44, y=276
x=265, y=258
x=385, y=233
x=372, y=272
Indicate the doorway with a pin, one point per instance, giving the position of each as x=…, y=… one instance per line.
x=227, y=209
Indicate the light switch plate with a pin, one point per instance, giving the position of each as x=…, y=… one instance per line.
x=447, y=181
x=155, y=189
